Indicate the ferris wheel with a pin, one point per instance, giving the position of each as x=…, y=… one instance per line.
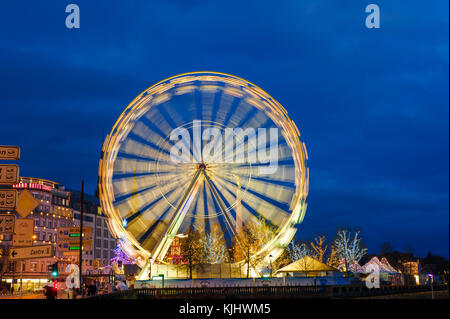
x=205, y=150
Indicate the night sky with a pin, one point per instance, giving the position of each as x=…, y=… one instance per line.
x=371, y=104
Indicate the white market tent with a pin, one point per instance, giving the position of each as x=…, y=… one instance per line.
x=383, y=265
x=306, y=266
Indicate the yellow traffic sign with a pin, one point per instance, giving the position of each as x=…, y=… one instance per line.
x=9, y=174
x=30, y=252
x=9, y=152
x=26, y=203
x=7, y=222
x=24, y=232
x=8, y=199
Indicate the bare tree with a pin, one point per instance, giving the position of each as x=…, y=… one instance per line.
x=318, y=247
x=191, y=249
x=333, y=260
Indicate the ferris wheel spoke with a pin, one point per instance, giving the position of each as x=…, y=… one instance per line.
x=260, y=204
x=133, y=184
x=133, y=206
x=208, y=100
x=148, y=151
x=174, y=121
x=277, y=192
x=228, y=217
x=141, y=220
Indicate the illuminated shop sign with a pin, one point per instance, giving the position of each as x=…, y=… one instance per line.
x=33, y=186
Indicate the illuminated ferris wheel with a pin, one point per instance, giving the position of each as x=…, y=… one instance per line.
x=205, y=150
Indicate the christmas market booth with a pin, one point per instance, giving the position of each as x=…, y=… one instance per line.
x=307, y=267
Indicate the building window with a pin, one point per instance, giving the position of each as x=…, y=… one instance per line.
x=33, y=266
x=12, y=266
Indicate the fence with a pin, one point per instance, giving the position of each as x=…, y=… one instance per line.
x=265, y=292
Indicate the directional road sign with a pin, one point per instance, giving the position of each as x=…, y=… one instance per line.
x=9, y=174
x=9, y=152
x=69, y=238
x=8, y=199
x=7, y=223
x=41, y=251
x=24, y=232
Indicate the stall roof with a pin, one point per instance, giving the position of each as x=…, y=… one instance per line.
x=306, y=264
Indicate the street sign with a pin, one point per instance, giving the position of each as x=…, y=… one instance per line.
x=24, y=232
x=7, y=223
x=69, y=239
x=41, y=251
x=8, y=199
x=74, y=232
x=9, y=152
x=9, y=174
x=26, y=203
x=73, y=244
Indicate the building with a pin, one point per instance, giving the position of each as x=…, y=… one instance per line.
x=58, y=208
x=173, y=255
x=103, y=243
x=54, y=211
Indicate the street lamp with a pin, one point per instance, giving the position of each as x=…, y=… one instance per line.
x=271, y=269
x=150, y=270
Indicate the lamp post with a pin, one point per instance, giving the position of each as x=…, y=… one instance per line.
x=150, y=270
x=430, y=276
x=271, y=269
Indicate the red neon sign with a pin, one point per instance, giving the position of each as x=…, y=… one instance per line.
x=33, y=186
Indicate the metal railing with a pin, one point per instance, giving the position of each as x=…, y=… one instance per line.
x=264, y=292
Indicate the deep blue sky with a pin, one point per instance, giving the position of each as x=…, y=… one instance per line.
x=372, y=105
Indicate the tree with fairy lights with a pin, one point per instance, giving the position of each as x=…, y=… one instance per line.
x=348, y=249
x=214, y=247
x=120, y=258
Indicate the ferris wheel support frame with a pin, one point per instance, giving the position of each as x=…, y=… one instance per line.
x=178, y=217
